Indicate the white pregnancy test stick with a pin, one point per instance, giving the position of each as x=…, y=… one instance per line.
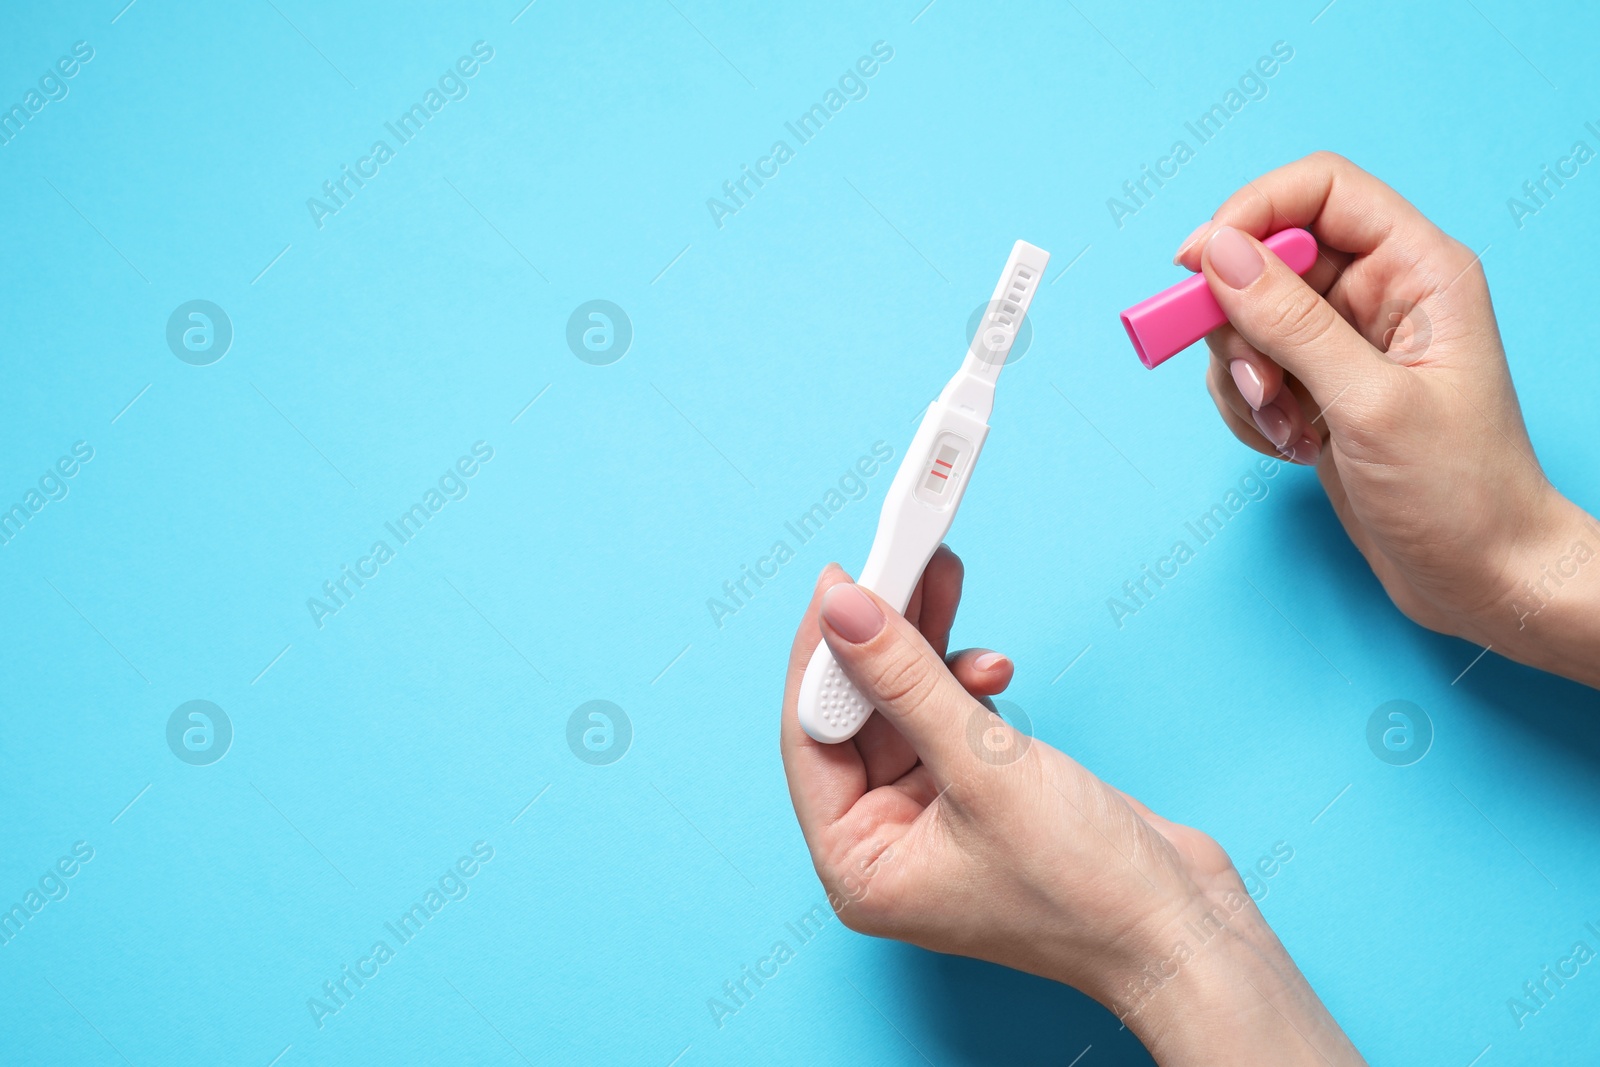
x=927, y=489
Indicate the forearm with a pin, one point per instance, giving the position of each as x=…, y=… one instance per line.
x=1551, y=618
x=1226, y=992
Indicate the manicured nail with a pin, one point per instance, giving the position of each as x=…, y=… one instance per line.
x=1234, y=258
x=1190, y=241
x=989, y=661
x=1305, y=451
x=1251, y=387
x=852, y=613
x=1273, y=424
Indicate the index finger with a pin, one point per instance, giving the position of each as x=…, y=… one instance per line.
x=1347, y=209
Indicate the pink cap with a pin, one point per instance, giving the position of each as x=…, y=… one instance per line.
x=1171, y=321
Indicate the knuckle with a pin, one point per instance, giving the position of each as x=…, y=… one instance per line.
x=1327, y=160
x=902, y=678
x=1462, y=265
x=958, y=569
x=853, y=919
x=1298, y=316
x=849, y=885
x=1210, y=855
x=862, y=916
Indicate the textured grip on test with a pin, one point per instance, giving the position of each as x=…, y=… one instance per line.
x=832, y=709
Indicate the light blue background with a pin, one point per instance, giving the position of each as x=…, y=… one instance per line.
x=771, y=353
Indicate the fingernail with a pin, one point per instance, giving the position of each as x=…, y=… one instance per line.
x=1234, y=258
x=1189, y=241
x=1305, y=451
x=1273, y=424
x=852, y=613
x=989, y=661
x=1251, y=387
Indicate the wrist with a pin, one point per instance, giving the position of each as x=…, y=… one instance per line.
x=1550, y=616
x=1218, y=987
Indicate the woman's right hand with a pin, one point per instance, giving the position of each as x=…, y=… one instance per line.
x=1384, y=369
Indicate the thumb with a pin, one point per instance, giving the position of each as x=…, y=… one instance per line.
x=1289, y=322
x=901, y=675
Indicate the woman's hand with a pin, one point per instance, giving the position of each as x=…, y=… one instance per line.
x=1384, y=369
x=941, y=825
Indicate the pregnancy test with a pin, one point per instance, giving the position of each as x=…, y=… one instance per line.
x=927, y=489
x=1171, y=321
